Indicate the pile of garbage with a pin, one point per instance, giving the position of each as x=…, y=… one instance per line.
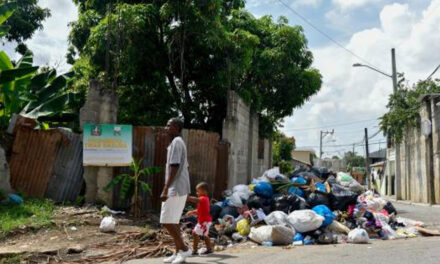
x=310, y=206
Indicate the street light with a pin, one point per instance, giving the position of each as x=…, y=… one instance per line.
x=374, y=69
x=393, y=76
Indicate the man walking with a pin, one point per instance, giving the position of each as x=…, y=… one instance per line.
x=176, y=189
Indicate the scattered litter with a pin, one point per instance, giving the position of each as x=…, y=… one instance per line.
x=358, y=236
x=310, y=206
x=278, y=235
x=108, y=224
x=428, y=232
x=113, y=212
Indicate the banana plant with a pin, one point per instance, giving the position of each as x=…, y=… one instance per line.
x=24, y=90
x=131, y=183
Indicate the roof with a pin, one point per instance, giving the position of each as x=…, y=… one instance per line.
x=304, y=150
x=378, y=164
x=380, y=154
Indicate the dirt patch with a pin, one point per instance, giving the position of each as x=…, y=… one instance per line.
x=75, y=235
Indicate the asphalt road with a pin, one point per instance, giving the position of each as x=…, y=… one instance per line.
x=418, y=250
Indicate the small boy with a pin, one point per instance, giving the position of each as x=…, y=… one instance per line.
x=204, y=219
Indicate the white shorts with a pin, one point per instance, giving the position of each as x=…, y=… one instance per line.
x=172, y=209
x=202, y=229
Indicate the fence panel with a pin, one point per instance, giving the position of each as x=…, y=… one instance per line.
x=32, y=161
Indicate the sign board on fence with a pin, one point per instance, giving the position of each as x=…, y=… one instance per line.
x=107, y=145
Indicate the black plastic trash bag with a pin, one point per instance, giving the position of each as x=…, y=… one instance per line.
x=332, y=180
x=317, y=198
x=257, y=202
x=229, y=210
x=296, y=172
x=290, y=203
x=389, y=207
x=341, y=198
x=215, y=212
x=309, y=176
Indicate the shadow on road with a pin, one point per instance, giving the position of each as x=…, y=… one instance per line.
x=214, y=258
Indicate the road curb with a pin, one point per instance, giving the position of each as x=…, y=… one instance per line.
x=391, y=199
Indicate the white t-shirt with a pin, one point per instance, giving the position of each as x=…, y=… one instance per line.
x=177, y=155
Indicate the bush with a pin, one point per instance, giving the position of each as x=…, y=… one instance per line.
x=286, y=167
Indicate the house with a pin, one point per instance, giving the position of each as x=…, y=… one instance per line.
x=378, y=156
x=302, y=157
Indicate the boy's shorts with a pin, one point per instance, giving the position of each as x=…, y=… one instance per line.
x=202, y=229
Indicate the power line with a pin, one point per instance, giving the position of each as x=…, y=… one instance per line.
x=375, y=134
x=325, y=34
x=432, y=74
x=345, y=145
x=332, y=125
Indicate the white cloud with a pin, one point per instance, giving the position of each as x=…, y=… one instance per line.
x=353, y=94
x=352, y=4
x=313, y=3
x=295, y=3
x=50, y=45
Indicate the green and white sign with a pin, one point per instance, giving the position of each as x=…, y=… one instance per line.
x=107, y=145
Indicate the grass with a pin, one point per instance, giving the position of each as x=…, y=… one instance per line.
x=11, y=259
x=33, y=214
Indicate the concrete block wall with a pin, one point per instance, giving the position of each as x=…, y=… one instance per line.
x=100, y=107
x=420, y=159
x=435, y=110
x=240, y=129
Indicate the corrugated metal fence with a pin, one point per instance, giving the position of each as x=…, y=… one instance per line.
x=207, y=158
x=49, y=163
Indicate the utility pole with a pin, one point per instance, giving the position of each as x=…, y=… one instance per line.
x=397, y=180
x=322, y=135
x=367, y=160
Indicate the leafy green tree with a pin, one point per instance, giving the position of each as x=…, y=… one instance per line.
x=335, y=157
x=404, y=108
x=181, y=57
x=353, y=160
x=27, y=18
x=282, y=148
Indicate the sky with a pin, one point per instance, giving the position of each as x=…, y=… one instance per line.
x=350, y=99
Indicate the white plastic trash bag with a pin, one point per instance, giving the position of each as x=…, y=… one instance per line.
x=278, y=235
x=235, y=200
x=337, y=227
x=272, y=173
x=276, y=218
x=304, y=221
x=242, y=188
x=257, y=216
x=344, y=179
x=108, y=224
x=358, y=236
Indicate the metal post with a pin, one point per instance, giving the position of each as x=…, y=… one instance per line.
x=320, y=146
x=397, y=179
x=367, y=160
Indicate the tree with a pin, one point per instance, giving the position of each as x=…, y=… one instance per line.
x=282, y=148
x=353, y=160
x=335, y=157
x=181, y=57
x=27, y=19
x=404, y=107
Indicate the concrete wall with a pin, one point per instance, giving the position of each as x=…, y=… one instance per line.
x=100, y=107
x=5, y=176
x=240, y=129
x=335, y=165
x=419, y=178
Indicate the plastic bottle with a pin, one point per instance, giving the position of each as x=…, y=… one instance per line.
x=267, y=244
